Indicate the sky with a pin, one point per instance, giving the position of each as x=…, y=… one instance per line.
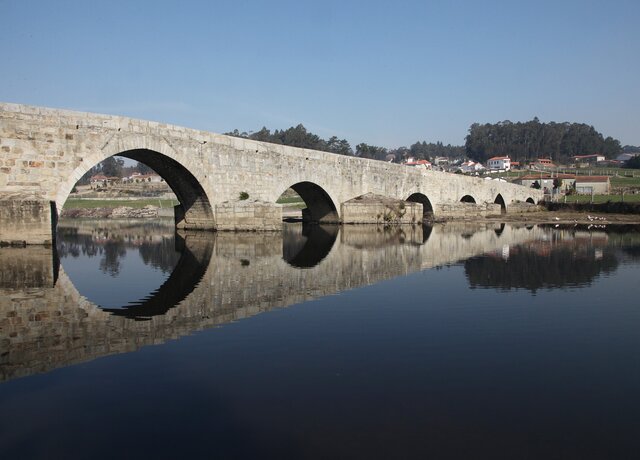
x=387, y=73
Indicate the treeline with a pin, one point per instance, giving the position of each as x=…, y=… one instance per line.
x=523, y=141
x=299, y=137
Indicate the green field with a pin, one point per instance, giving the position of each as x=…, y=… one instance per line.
x=630, y=198
x=75, y=203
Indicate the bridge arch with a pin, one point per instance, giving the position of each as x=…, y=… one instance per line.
x=320, y=206
x=499, y=200
x=427, y=207
x=467, y=199
x=530, y=200
x=195, y=207
x=307, y=245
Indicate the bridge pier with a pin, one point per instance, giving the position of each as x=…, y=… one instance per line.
x=26, y=220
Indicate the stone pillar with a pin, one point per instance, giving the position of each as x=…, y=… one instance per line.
x=26, y=221
x=249, y=216
x=197, y=217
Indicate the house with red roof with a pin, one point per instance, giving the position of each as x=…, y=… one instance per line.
x=499, y=163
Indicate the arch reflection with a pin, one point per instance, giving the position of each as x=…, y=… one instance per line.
x=305, y=245
x=195, y=254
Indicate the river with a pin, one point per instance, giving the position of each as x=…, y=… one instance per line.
x=451, y=341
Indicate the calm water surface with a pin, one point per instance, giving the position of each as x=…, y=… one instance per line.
x=455, y=341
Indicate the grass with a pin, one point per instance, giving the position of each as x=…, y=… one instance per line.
x=631, y=198
x=619, y=181
x=75, y=203
x=289, y=200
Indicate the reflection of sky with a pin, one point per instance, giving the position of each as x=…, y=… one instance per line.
x=134, y=281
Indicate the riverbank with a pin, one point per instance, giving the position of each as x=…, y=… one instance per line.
x=566, y=217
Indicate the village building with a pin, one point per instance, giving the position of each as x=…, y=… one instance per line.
x=470, y=167
x=100, y=180
x=548, y=182
x=543, y=163
x=593, y=185
x=499, y=164
x=137, y=178
x=426, y=164
x=586, y=160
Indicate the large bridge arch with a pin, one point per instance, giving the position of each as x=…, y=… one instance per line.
x=194, y=209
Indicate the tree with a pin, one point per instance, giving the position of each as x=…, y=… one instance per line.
x=633, y=163
x=143, y=168
x=112, y=167
x=339, y=146
x=371, y=151
x=532, y=139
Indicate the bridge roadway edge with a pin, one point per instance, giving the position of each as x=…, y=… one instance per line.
x=45, y=151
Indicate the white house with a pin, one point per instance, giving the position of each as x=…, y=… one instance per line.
x=140, y=178
x=499, y=163
x=426, y=164
x=470, y=167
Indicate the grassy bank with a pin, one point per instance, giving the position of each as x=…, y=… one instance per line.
x=619, y=198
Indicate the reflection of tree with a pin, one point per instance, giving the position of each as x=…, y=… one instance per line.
x=111, y=241
x=161, y=255
x=532, y=268
x=113, y=252
x=633, y=252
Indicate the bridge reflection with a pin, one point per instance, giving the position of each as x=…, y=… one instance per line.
x=46, y=323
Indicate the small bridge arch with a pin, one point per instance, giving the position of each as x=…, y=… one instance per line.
x=467, y=199
x=321, y=207
x=427, y=207
x=499, y=200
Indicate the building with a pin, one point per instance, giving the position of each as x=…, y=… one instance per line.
x=499, y=164
x=548, y=182
x=137, y=178
x=624, y=157
x=587, y=159
x=543, y=163
x=426, y=164
x=470, y=167
x=100, y=180
x=593, y=185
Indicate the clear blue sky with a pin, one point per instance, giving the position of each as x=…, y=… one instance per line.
x=386, y=73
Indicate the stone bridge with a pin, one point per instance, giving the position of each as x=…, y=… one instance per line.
x=46, y=323
x=44, y=152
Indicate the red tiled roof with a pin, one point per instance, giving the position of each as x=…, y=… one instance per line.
x=499, y=158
